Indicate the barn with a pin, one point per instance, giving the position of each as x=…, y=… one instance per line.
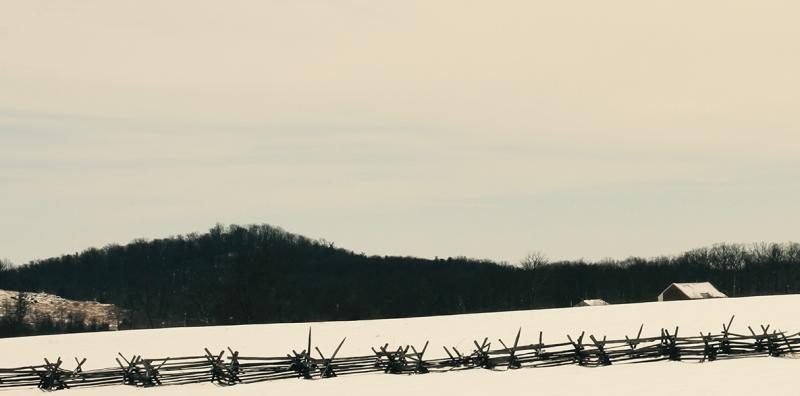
x=591, y=303
x=690, y=291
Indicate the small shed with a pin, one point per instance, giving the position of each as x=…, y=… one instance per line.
x=690, y=291
x=591, y=303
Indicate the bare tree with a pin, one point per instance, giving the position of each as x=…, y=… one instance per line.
x=4, y=264
x=533, y=260
x=21, y=307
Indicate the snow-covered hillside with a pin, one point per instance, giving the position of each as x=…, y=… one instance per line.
x=742, y=376
x=61, y=309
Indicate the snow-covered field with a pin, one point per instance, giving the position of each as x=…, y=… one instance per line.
x=761, y=376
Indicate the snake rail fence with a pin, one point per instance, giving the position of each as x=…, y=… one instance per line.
x=235, y=368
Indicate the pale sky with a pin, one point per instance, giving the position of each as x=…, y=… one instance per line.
x=431, y=128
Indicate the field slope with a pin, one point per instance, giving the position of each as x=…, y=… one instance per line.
x=744, y=376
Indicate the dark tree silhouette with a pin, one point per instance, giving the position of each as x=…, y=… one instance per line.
x=262, y=274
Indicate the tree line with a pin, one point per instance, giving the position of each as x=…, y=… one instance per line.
x=263, y=274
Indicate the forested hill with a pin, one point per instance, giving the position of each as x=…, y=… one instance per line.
x=261, y=274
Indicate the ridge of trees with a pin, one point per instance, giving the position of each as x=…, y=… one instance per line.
x=263, y=274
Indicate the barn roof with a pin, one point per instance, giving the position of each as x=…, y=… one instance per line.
x=697, y=290
x=591, y=303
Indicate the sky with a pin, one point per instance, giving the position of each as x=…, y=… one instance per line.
x=488, y=129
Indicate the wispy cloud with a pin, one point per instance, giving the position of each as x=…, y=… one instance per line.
x=582, y=129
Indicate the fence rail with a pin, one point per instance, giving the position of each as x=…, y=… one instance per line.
x=234, y=369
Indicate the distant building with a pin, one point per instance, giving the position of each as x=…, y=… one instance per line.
x=591, y=303
x=690, y=291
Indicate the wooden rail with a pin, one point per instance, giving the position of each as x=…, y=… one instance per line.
x=234, y=369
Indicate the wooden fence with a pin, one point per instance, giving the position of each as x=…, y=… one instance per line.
x=234, y=368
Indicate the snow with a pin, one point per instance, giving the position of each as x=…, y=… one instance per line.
x=591, y=303
x=763, y=376
x=697, y=290
x=59, y=308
